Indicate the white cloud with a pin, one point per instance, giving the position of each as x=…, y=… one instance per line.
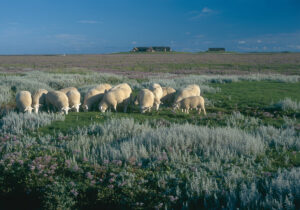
x=187, y=33
x=133, y=42
x=204, y=12
x=242, y=42
x=259, y=41
x=88, y=21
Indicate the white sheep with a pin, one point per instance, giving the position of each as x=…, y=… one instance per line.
x=190, y=90
x=145, y=99
x=38, y=99
x=158, y=93
x=122, y=85
x=93, y=97
x=193, y=102
x=114, y=97
x=74, y=99
x=57, y=100
x=67, y=89
x=24, y=101
x=168, y=95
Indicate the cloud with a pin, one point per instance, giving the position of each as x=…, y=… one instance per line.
x=259, y=41
x=88, y=21
x=204, y=12
x=133, y=42
x=242, y=42
x=187, y=33
x=199, y=36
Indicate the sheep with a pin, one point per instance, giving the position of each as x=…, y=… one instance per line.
x=66, y=90
x=190, y=90
x=38, y=99
x=114, y=97
x=122, y=85
x=24, y=100
x=74, y=99
x=57, y=100
x=168, y=95
x=193, y=102
x=158, y=93
x=104, y=86
x=93, y=97
x=145, y=99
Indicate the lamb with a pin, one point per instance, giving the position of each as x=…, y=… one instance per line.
x=158, y=93
x=93, y=97
x=114, y=97
x=145, y=99
x=24, y=100
x=38, y=99
x=193, y=102
x=168, y=95
x=74, y=99
x=57, y=100
x=190, y=90
x=66, y=90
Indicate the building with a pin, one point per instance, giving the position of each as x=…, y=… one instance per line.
x=151, y=49
x=216, y=49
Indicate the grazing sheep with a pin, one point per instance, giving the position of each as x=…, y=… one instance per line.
x=158, y=93
x=57, y=100
x=193, y=102
x=114, y=97
x=93, y=97
x=65, y=90
x=190, y=90
x=38, y=99
x=168, y=95
x=24, y=100
x=74, y=99
x=122, y=85
x=104, y=86
x=145, y=99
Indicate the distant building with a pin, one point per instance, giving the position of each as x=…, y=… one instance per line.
x=151, y=49
x=216, y=49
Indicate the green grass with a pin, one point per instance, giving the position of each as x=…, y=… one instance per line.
x=249, y=98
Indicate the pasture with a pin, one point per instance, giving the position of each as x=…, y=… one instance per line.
x=245, y=153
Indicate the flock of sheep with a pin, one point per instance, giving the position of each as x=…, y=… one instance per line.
x=104, y=97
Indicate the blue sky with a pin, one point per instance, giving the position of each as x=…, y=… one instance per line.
x=100, y=26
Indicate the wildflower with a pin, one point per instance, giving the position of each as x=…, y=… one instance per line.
x=89, y=175
x=74, y=192
x=106, y=161
x=172, y=198
x=110, y=186
x=93, y=182
x=32, y=168
x=72, y=184
x=111, y=180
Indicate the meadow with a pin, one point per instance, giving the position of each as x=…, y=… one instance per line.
x=245, y=153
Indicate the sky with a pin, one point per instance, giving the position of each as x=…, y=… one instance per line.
x=106, y=26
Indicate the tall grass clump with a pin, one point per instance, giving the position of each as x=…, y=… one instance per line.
x=5, y=94
x=288, y=104
x=15, y=123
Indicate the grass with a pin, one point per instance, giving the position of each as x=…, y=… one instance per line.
x=251, y=98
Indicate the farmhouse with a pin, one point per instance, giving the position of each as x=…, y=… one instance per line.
x=216, y=49
x=151, y=49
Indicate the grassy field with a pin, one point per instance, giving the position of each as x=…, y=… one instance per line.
x=245, y=153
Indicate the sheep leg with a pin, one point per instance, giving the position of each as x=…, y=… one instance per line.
x=203, y=108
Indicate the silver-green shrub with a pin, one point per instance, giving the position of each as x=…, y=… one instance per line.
x=15, y=123
x=288, y=104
